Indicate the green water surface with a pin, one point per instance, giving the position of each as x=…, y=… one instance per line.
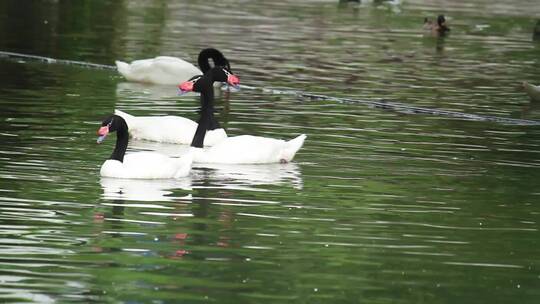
x=379, y=206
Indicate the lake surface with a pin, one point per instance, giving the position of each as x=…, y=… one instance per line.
x=379, y=206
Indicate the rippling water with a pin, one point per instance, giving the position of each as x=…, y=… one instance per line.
x=379, y=206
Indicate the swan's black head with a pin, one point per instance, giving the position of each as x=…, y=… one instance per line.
x=441, y=20
x=216, y=56
x=215, y=74
x=110, y=124
x=224, y=74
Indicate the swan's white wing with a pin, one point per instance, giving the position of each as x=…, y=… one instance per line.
x=168, y=129
x=173, y=70
x=171, y=129
x=245, y=149
x=159, y=70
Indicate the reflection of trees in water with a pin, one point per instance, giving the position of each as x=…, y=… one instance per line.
x=211, y=224
x=439, y=46
x=47, y=28
x=73, y=29
x=208, y=225
x=111, y=221
x=530, y=110
x=117, y=213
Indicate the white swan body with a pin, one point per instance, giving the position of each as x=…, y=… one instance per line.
x=247, y=149
x=168, y=129
x=160, y=70
x=532, y=90
x=147, y=165
x=244, y=149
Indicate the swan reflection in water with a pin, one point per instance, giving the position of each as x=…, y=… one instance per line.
x=144, y=189
x=233, y=175
x=145, y=91
x=253, y=175
x=158, y=93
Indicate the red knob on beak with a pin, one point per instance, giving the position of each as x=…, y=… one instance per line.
x=102, y=133
x=233, y=80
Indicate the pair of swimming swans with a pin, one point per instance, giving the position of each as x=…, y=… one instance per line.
x=245, y=149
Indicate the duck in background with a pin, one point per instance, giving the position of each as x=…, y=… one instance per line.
x=532, y=90
x=436, y=29
x=376, y=2
x=536, y=31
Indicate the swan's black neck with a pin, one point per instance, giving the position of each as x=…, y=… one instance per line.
x=217, y=57
x=122, y=137
x=207, y=121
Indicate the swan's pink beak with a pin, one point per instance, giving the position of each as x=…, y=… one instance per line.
x=185, y=87
x=102, y=133
x=233, y=80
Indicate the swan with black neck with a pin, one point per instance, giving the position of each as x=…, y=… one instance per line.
x=177, y=129
x=169, y=70
x=244, y=149
x=149, y=165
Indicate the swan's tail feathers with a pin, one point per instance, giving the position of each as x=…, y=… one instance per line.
x=292, y=147
x=184, y=165
x=130, y=119
x=123, y=68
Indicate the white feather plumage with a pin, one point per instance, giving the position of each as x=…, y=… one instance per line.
x=149, y=165
x=168, y=129
x=158, y=70
x=247, y=149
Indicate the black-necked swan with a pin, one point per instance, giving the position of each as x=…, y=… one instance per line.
x=244, y=149
x=176, y=129
x=150, y=165
x=169, y=70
